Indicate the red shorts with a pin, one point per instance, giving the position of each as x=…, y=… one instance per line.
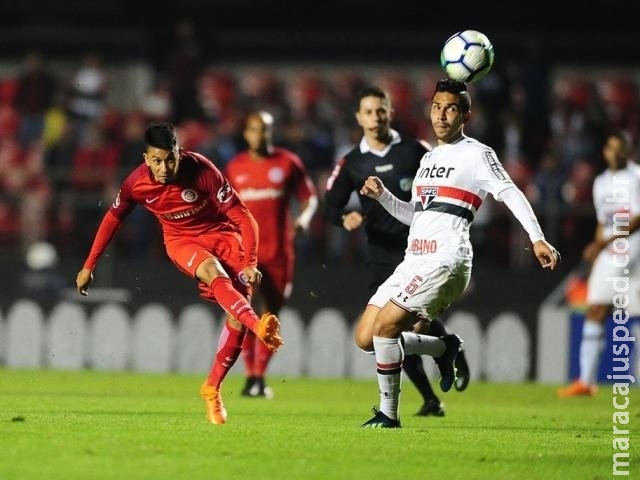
x=188, y=252
x=275, y=286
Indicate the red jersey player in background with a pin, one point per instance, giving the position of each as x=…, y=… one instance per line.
x=268, y=180
x=209, y=235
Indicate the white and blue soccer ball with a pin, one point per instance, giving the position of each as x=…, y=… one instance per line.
x=467, y=56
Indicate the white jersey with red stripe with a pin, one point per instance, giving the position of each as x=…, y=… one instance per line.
x=449, y=187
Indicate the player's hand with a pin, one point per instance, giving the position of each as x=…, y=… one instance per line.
x=83, y=280
x=352, y=220
x=546, y=254
x=372, y=187
x=250, y=276
x=592, y=250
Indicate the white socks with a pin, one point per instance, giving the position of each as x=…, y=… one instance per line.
x=415, y=343
x=389, y=357
x=591, y=347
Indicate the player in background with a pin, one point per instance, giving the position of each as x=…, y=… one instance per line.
x=394, y=158
x=269, y=180
x=208, y=234
x=616, y=198
x=449, y=187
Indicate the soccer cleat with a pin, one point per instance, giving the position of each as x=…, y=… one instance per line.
x=446, y=361
x=380, y=420
x=577, y=389
x=216, y=413
x=431, y=408
x=462, y=370
x=269, y=331
x=255, y=387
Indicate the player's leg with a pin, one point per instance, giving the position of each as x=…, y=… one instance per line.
x=229, y=347
x=600, y=294
x=272, y=293
x=389, y=322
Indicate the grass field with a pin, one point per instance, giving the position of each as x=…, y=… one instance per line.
x=92, y=425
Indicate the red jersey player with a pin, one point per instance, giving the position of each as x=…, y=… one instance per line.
x=208, y=234
x=268, y=179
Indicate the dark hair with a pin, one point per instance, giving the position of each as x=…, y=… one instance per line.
x=371, y=91
x=161, y=135
x=457, y=88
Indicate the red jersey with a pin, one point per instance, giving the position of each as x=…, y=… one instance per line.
x=194, y=202
x=267, y=187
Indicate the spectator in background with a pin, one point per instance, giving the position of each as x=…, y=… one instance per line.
x=87, y=93
x=184, y=64
x=269, y=179
x=37, y=88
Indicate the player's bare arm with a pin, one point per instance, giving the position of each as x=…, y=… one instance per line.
x=546, y=254
x=83, y=280
x=372, y=187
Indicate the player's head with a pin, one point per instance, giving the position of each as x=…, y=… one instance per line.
x=162, y=153
x=450, y=109
x=616, y=149
x=374, y=112
x=258, y=132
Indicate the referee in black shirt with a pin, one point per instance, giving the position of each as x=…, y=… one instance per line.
x=394, y=158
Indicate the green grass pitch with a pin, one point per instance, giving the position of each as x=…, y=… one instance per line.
x=125, y=426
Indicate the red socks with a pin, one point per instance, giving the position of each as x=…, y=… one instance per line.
x=233, y=302
x=229, y=347
x=256, y=355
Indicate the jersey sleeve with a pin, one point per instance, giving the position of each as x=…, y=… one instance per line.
x=338, y=192
x=304, y=186
x=490, y=175
x=218, y=188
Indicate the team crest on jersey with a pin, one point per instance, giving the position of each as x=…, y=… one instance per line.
x=426, y=194
x=224, y=194
x=275, y=175
x=189, y=195
x=405, y=184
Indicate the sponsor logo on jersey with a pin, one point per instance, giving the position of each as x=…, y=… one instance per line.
x=275, y=175
x=116, y=202
x=224, y=194
x=384, y=168
x=495, y=166
x=405, y=184
x=253, y=194
x=189, y=195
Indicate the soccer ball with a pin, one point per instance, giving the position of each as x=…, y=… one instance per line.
x=467, y=56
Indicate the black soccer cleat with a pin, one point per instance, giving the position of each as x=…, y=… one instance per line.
x=380, y=420
x=431, y=408
x=463, y=372
x=446, y=361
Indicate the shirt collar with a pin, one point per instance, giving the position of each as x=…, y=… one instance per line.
x=395, y=139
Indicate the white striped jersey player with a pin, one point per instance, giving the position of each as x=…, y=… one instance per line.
x=449, y=187
x=616, y=199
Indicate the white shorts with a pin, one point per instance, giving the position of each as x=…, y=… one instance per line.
x=424, y=287
x=622, y=279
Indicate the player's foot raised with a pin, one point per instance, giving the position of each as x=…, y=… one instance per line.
x=577, y=389
x=216, y=413
x=446, y=361
x=269, y=331
x=380, y=420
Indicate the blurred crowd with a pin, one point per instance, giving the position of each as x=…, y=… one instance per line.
x=64, y=149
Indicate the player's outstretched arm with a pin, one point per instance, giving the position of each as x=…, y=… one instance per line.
x=546, y=254
x=83, y=280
